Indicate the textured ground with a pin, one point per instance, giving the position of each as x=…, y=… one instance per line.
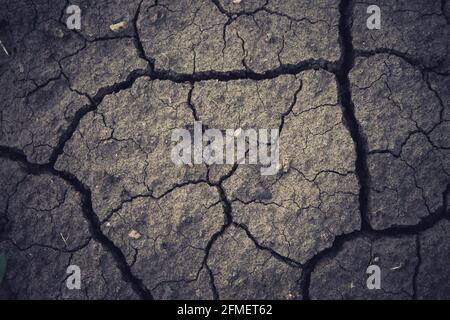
x=86, y=176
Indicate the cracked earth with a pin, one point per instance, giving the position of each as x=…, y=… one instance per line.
x=86, y=177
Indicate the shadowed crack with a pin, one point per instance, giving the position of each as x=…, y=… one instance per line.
x=275, y=254
x=345, y=99
x=212, y=283
x=426, y=223
x=137, y=39
x=228, y=220
x=95, y=101
x=414, y=62
x=286, y=69
x=88, y=212
x=341, y=69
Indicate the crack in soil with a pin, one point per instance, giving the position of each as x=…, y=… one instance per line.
x=88, y=212
x=341, y=69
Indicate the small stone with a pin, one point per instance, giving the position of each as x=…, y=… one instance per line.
x=134, y=235
x=237, y=1
x=3, y=47
x=117, y=26
x=398, y=267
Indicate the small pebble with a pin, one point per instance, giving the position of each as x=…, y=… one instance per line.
x=117, y=26
x=134, y=235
